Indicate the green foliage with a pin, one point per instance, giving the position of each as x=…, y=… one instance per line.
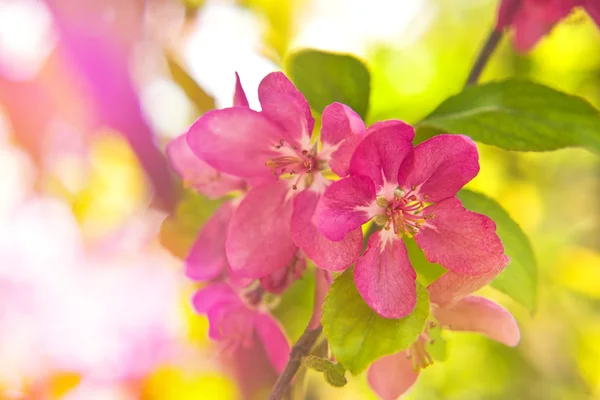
x=295, y=306
x=519, y=278
x=325, y=78
x=519, y=115
x=357, y=335
x=334, y=373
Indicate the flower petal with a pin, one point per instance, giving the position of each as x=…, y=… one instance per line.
x=206, y=259
x=284, y=104
x=528, y=31
x=341, y=132
x=392, y=376
x=440, y=166
x=384, y=277
x=212, y=295
x=593, y=8
x=451, y=287
x=381, y=152
x=275, y=342
x=237, y=140
x=339, y=122
x=239, y=97
x=259, y=240
x=506, y=13
x=197, y=174
x=476, y=314
x=277, y=282
x=345, y=206
x=326, y=254
x=461, y=241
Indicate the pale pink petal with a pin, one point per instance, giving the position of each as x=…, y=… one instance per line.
x=284, y=104
x=476, y=314
x=197, y=174
x=381, y=152
x=239, y=97
x=237, y=140
x=341, y=132
x=212, y=295
x=345, y=206
x=339, y=122
x=259, y=240
x=451, y=287
x=392, y=376
x=277, y=282
x=440, y=166
x=593, y=8
x=206, y=259
x=461, y=241
x=384, y=277
x=274, y=340
x=327, y=254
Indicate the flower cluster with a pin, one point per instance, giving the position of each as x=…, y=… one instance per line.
x=533, y=19
x=301, y=196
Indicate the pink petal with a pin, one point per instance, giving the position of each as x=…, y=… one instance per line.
x=341, y=132
x=506, y=13
x=384, y=277
x=274, y=340
x=239, y=97
x=440, y=166
x=212, y=295
x=476, y=314
x=452, y=287
x=381, y=152
x=259, y=240
x=327, y=254
x=345, y=206
x=197, y=174
x=459, y=240
x=237, y=140
x=339, y=122
x=529, y=31
x=392, y=376
x=284, y=104
x=277, y=282
x=593, y=8
x=206, y=259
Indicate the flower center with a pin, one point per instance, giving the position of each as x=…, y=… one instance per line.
x=403, y=213
x=293, y=162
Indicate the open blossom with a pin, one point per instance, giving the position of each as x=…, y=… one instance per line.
x=410, y=192
x=273, y=150
x=533, y=19
x=236, y=323
x=452, y=309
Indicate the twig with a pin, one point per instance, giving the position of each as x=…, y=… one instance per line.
x=484, y=56
x=299, y=351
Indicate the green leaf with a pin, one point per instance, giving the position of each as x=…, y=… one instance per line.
x=202, y=100
x=357, y=335
x=519, y=115
x=296, y=305
x=318, y=364
x=335, y=377
x=427, y=272
x=325, y=78
x=519, y=278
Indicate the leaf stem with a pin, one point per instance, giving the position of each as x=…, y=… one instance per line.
x=484, y=56
x=299, y=351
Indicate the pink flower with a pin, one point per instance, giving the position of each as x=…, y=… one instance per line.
x=393, y=375
x=235, y=324
x=410, y=192
x=533, y=19
x=272, y=149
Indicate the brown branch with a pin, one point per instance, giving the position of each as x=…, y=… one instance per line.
x=299, y=351
x=484, y=56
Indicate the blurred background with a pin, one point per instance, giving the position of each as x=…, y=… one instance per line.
x=93, y=224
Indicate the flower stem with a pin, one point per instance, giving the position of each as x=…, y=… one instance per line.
x=299, y=351
x=484, y=56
